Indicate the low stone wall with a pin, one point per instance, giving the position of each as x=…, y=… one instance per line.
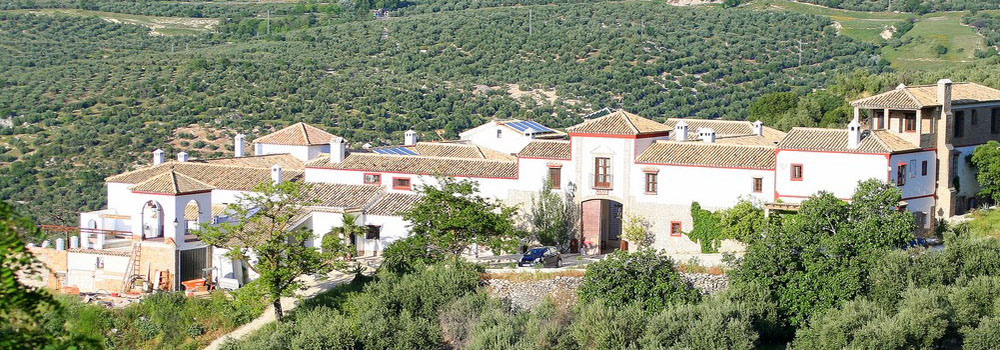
x=524, y=295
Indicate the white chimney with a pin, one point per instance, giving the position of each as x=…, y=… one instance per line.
x=182, y=157
x=409, y=138
x=276, y=173
x=238, y=144
x=366, y=146
x=338, y=149
x=158, y=157
x=853, y=134
x=944, y=95
x=681, y=131
x=758, y=128
x=258, y=149
x=707, y=135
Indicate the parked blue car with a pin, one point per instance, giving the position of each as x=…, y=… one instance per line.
x=544, y=256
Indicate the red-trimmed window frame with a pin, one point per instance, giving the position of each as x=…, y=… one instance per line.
x=792, y=172
x=923, y=168
x=757, y=185
x=910, y=123
x=409, y=184
x=378, y=176
x=679, y=227
x=901, y=174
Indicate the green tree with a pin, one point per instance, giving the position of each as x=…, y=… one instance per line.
x=643, y=277
x=552, y=217
x=22, y=307
x=986, y=159
x=261, y=238
x=743, y=221
x=451, y=216
x=636, y=231
x=770, y=106
x=336, y=244
x=816, y=259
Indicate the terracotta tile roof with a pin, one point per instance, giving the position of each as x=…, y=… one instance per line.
x=817, y=139
x=224, y=177
x=745, y=140
x=191, y=210
x=918, y=96
x=726, y=128
x=708, y=154
x=420, y=165
x=393, y=204
x=287, y=161
x=298, y=134
x=546, y=149
x=342, y=196
x=171, y=182
x=619, y=123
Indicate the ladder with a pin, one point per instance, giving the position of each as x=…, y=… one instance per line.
x=133, y=267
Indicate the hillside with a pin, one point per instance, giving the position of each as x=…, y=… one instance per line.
x=90, y=108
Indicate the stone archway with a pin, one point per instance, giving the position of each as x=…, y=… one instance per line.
x=152, y=219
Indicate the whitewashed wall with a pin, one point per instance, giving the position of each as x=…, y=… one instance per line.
x=916, y=185
x=838, y=173
x=510, y=141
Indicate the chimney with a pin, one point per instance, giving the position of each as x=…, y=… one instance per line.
x=158, y=157
x=258, y=149
x=409, y=138
x=853, y=134
x=944, y=95
x=276, y=174
x=182, y=157
x=681, y=131
x=758, y=128
x=366, y=146
x=707, y=135
x=338, y=149
x=238, y=144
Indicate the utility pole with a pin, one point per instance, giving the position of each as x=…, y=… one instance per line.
x=268, y=22
x=800, y=53
x=529, y=22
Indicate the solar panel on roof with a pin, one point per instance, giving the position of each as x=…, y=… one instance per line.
x=523, y=126
x=395, y=150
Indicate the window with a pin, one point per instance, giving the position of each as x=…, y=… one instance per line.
x=912, y=169
x=373, y=232
x=923, y=168
x=499, y=133
x=994, y=123
x=972, y=117
x=900, y=174
x=758, y=185
x=651, y=183
x=401, y=183
x=796, y=172
x=373, y=179
x=602, y=172
x=959, y=123
x=675, y=228
x=555, y=177
x=910, y=122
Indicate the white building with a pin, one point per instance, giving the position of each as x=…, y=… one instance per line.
x=616, y=163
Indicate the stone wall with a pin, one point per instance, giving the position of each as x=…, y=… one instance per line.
x=524, y=295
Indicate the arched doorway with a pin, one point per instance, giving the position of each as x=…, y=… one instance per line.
x=152, y=219
x=192, y=217
x=92, y=224
x=601, y=225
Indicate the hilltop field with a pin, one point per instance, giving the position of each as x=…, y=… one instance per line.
x=89, y=88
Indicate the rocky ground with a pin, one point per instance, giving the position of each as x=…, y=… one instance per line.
x=527, y=294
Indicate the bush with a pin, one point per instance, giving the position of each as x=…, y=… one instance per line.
x=599, y=325
x=985, y=337
x=405, y=255
x=835, y=329
x=920, y=323
x=643, y=277
x=716, y=323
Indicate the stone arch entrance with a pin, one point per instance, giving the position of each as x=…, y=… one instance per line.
x=152, y=219
x=601, y=225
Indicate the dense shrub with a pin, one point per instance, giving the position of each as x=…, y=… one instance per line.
x=985, y=337
x=605, y=326
x=405, y=255
x=644, y=277
x=716, y=323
